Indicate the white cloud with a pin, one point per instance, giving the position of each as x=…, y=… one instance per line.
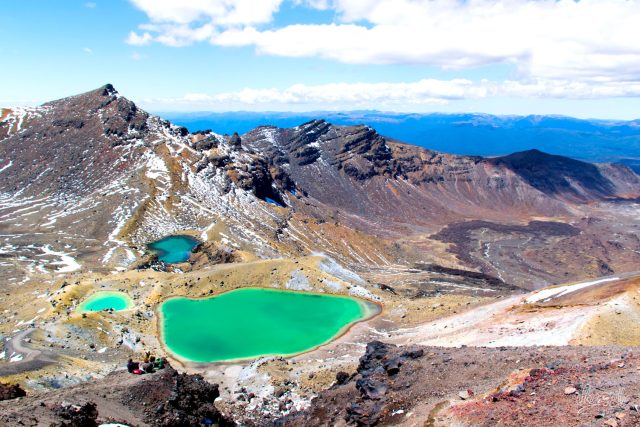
x=87, y=50
x=409, y=96
x=139, y=39
x=545, y=39
x=223, y=12
x=587, y=40
x=90, y=5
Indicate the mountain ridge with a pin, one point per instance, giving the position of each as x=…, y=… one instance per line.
x=462, y=133
x=131, y=177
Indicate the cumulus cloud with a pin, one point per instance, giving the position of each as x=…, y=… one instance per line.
x=392, y=96
x=225, y=12
x=139, y=39
x=544, y=39
x=587, y=40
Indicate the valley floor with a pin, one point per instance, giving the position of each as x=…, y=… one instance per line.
x=485, y=345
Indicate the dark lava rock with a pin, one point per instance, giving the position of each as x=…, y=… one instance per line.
x=76, y=415
x=235, y=140
x=342, y=378
x=219, y=160
x=392, y=366
x=11, y=391
x=413, y=354
x=387, y=288
x=384, y=371
x=364, y=413
x=371, y=389
x=375, y=352
x=172, y=399
x=207, y=143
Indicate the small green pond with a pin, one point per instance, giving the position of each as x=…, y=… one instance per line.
x=174, y=249
x=252, y=322
x=105, y=300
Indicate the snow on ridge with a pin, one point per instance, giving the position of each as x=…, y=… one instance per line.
x=17, y=116
x=67, y=262
x=168, y=134
x=545, y=295
x=157, y=168
x=269, y=134
x=3, y=168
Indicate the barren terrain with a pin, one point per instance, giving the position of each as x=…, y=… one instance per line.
x=475, y=262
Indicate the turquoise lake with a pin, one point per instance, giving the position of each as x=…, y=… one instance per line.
x=253, y=322
x=106, y=300
x=174, y=249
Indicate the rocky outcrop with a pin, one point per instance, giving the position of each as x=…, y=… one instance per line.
x=173, y=399
x=70, y=415
x=211, y=253
x=11, y=391
x=235, y=140
x=257, y=176
x=206, y=143
x=375, y=384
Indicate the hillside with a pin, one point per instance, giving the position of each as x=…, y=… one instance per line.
x=435, y=241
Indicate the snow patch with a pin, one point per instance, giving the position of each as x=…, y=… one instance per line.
x=67, y=262
x=2, y=169
x=548, y=294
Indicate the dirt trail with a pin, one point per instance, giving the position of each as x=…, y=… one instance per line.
x=32, y=359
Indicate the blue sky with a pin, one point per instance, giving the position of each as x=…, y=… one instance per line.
x=513, y=57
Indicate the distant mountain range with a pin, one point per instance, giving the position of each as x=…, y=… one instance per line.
x=470, y=134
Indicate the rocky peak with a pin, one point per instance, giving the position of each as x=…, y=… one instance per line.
x=108, y=90
x=305, y=143
x=119, y=116
x=363, y=152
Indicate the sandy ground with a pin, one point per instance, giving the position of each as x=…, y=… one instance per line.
x=594, y=314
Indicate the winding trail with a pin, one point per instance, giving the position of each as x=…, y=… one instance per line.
x=32, y=359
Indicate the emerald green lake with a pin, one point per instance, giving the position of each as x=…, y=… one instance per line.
x=252, y=322
x=105, y=300
x=174, y=249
